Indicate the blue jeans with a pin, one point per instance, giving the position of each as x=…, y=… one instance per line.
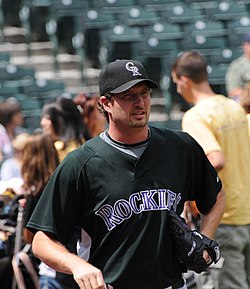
x=47, y=282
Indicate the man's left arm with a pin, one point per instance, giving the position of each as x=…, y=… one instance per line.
x=211, y=220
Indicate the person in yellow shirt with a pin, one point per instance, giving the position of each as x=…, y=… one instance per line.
x=245, y=102
x=220, y=126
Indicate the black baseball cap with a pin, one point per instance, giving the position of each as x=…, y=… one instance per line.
x=120, y=75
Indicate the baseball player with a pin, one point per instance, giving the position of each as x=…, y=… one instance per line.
x=117, y=190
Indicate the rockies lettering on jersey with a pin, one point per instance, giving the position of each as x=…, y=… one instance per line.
x=150, y=200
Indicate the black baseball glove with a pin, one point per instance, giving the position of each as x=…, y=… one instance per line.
x=190, y=244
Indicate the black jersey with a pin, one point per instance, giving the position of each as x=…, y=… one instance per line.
x=121, y=203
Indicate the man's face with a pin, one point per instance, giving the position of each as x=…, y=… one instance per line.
x=131, y=108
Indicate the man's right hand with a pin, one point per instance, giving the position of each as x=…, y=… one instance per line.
x=88, y=276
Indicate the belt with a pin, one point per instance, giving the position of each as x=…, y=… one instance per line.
x=176, y=285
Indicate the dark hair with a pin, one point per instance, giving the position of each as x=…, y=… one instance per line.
x=191, y=64
x=66, y=119
x=7, y=111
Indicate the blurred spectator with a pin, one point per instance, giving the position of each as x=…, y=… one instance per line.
x=62, y=120
x=11, y=119
x=245, y=102
x=238, y=73
x=92, y=117
x=36, y=171
x=11, y=168
x=219, y=125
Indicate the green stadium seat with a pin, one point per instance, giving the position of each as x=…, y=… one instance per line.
x=4, y=58
x=31, y=109
x=18, y=76
x=216, y=77
x=116, y=42
x=8, y=91
x=207, y=28
x=227, y=10
x=205, y=45
x=216, y=73
x=44, y=90
x=236, y=30
x=158, y=47
x=226, y=55
x=94, y=19
x=159, y=5
x=113, y=6
x=137, y=16
x=164, y=30
x=202, y=4
x=93, y=22
x=63, y=8
x=182, y=13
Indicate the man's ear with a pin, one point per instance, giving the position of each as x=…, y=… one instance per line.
x=106, y=103
x=184, y=79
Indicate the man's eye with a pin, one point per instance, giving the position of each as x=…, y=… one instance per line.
x=127, y=96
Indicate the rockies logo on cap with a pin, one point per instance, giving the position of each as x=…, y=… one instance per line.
x=120, y=75
x=131, y=67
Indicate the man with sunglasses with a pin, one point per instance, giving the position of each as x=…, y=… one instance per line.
x=117, y=191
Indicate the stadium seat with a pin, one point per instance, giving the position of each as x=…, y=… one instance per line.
x=205, y=27
x=182, y=13
x=4, y=58
x=8, y=91
x=44, y=90
x=225, y=56
x=95, y=19
x=93, y=22
x=237, y=28
x=227, y=10
x=18, y=76
x=31, y=109
x=206, y=45
x=63, y=8
x=202, y=4
x=113, y=6
x=216, y=77
x=117, y=41
x=137, y=16
x=153, y=47
x=159, y=5
x=164, y=30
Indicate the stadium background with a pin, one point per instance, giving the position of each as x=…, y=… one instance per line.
x=50, y=47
